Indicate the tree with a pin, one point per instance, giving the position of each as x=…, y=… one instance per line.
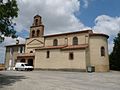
x=8, y=11
x=115, y=55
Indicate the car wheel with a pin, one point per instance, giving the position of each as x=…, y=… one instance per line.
x=26, y=69
x=16, y=69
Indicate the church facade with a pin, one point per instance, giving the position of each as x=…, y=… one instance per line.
x=66, y=51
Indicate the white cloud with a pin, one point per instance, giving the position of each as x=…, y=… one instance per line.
x=86, y=3
x=108, y=25
x=58, y=15
x=110, y=46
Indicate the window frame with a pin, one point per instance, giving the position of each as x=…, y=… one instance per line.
x=36, y=22
x=38, y=33
x=33, y=33
x=21, y=49
x=48, y=54
x=75, y=40
x=102, y=50
x=55, y=42
x=71, y=56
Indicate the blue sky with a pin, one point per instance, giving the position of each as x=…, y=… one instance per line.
x=60, y=16
x=96, y=8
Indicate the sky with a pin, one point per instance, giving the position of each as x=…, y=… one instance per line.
x=60, y=16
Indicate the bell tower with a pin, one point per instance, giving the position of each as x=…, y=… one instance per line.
x=37, y=28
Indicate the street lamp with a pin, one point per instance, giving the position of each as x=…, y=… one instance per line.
x=1, y=38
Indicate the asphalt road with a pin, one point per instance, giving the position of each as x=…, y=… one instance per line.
x=59, y=80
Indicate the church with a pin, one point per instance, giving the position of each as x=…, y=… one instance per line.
x=65, y=51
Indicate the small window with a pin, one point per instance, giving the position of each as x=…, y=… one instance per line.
x=36, y=22
x=48, y=54
x=66, y=41
x=22, y=60
x=22, y=65
x=38, y=33
x=55, y=42
x=21, y=49
x=75, y=41
x=33, y=33
x=31, y=51
x=71, y=56
x=102, y=51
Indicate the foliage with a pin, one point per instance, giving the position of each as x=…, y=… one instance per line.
x=8, y=11
x=115, y=55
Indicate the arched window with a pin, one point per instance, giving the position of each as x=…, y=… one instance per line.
x=102, y=51
x=36, y=22
x=38, y=33
x=55, y=42
x=75, y=41
x=33, y=33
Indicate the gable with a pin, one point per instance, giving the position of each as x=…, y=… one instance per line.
x=35, y=42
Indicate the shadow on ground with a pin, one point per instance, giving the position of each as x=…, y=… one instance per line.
x=9, y=80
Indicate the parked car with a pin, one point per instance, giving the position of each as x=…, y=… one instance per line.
x=23, y=66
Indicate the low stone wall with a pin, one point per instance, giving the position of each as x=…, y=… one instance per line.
x=2, y=66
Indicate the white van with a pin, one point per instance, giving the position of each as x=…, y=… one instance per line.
x=23, y=66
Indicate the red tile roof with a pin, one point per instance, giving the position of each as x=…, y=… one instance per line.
x=68, y=33
x=26, y=54
x=81, y=46
x=98, y=34
x=52, y=47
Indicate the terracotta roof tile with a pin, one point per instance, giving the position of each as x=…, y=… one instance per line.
x=98, y=34
x=80, y=46
x=26, y=54
x=68, y=33
x=52, y=47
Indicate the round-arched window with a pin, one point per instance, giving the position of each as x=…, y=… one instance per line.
x=55, y=42
x=102, y=51
x=38, y=33
x=75, y=41
x=33, y=33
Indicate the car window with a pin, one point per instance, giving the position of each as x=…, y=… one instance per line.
x=22, y=64
x=26, y=65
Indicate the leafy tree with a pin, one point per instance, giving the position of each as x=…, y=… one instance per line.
x=8, y=11
x=115, y=55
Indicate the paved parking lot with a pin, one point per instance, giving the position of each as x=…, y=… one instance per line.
x=59, y=80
